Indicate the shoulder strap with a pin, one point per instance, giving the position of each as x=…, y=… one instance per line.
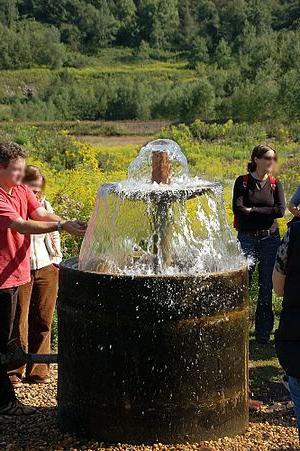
x=273, y=182
x=245, y=180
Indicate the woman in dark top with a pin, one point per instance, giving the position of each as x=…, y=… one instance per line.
x=258, y=199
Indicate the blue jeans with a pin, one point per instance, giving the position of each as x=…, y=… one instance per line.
x=262, y=251
x=294, y=384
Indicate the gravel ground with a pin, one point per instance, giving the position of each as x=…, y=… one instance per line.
x=270, y=429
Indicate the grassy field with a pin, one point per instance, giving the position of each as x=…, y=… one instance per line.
x=77, y=159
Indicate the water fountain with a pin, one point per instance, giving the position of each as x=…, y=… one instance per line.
x=153, y=319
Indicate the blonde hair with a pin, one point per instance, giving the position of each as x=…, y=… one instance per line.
x=33, y=173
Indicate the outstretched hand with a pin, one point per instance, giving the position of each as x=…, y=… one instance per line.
x=77, y=228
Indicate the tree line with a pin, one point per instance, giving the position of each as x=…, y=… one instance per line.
x=243, y=56
x=204, y=30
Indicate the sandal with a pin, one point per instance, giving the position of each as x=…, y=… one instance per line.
x=38, y=380
x=15, y=380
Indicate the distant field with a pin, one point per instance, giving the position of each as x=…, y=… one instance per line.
x=125, y=140
x=94, y=128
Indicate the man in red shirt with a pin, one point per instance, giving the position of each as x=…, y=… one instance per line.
x=20, y=215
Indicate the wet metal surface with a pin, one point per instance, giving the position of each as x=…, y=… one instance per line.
x=145, y=359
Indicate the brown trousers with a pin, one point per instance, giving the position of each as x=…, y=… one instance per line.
x=35, y=309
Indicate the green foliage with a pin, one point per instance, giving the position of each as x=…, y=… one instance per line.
x=88, y=25
x=30, y=43
x=223, y=54
x=199, y=101
x=8, y=12
x=146, y=90
x=198, y=52
x=217, y=60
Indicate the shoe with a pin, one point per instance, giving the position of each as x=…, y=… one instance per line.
x=38, y=380
x=285, y=382
x=15, y=408
x=255, y=405
x=15, y=380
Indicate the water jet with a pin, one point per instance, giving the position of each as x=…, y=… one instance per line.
x=158, y=306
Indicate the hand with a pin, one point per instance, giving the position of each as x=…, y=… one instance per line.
x=77, y=228
x=248, y=210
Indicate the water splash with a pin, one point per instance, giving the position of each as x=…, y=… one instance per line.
x=143, y=228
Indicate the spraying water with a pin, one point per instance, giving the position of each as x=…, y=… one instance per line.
x=159, y=221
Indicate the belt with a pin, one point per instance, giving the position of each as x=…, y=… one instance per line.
x=263, y=233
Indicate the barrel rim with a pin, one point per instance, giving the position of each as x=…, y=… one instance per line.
x=65, y=264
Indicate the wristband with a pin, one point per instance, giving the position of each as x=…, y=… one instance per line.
x=59, y=227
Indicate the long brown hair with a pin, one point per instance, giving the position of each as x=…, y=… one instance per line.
x=33, y=173
x=258, y=152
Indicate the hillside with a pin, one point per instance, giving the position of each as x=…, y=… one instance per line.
x=149, y=59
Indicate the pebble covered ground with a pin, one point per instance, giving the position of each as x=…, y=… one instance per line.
x=272, y=428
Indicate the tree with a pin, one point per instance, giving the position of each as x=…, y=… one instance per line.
x=29, y=44
x=125, y=12
x=188, y=27
x=233, y=18
x=158, y=21
x=52, y=11
x=260, y=15
x=8, y=12
x=198, y=52
x=198, y=101
x=207, y=15
x=223, y=54
x=258, y=100
x=290, y=93
x=289, y=54
x=98, y=25
x=255, y=50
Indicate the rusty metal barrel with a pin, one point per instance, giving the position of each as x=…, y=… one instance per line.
x=154, y=358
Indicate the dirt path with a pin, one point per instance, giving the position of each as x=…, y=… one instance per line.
x=116, y=141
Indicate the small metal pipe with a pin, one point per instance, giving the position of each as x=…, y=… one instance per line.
x=42, y=358
x=17, y=356
x=161, y=168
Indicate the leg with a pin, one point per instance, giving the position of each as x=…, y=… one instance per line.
x=294, y=385
x=20, y=330
x=8, y=301
x=42, y=307
x=264, y=321
x=249, y=247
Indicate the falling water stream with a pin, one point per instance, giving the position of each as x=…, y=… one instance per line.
x=141, y=227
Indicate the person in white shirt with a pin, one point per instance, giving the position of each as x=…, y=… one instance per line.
x=37, y=299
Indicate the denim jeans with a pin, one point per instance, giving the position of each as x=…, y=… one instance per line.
x=294, y=384
x=262, y=251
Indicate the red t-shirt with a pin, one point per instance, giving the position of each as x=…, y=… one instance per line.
x=14, y=247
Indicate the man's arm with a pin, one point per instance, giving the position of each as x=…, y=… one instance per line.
x=36, y=227
x=30, y=226
x=41, y=214
x=279, y=273
x=294, y=209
